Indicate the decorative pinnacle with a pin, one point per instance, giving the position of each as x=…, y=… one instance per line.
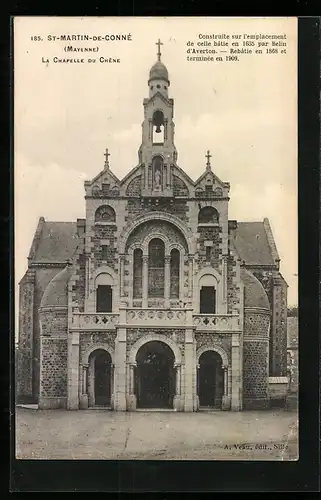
x=159, y=43
x=106, y=154
x=208, y=163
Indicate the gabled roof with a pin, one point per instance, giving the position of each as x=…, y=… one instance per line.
x=154, y=97
x=183, y=175
x=102, y=173
x=57, y=242
x=209, y=172
x=131, y=173
x=251, y=243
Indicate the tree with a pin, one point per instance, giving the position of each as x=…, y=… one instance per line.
x=292, y=311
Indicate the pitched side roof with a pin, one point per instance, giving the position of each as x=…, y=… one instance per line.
x=254, y=293
x=56, y=292
x=57, y=242
x=252, y=244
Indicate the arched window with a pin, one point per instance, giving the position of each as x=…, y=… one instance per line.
x=158, y=127
x=218, y=192
x=138, y=274
x=208, y=215
x=175, y=261
x=156, y=266
x=157, y=172
x=207, y=294
x=105, y=213
x=104, y=293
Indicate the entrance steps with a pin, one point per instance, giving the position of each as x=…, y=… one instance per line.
x=155, y=410
x=209, y=408
x=28, y=407
x=107, y=408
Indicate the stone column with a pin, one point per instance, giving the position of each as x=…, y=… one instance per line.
x=189, y=367
x=236, y=373
x=225, y=399
x=197, y=379
x=150, y=130
x=131, y=398
x=91, y=382
x=177, y=367
x=169, y=174
x=225, y=374
x=73, y=371
x=84, y=379
x=87, y=271
x=120, y=366
x=167, y=280
x=145, y=280
x=177, y=397
x=121, y=275
x=84, y=388
x=112, y=383
x=190, y=275
x=132, y=378
x=224, y=285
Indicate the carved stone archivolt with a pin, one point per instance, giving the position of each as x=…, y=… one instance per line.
x=157, y=227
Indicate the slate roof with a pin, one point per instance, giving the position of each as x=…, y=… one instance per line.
x=57, y=242
x=252, y=245
x=254, y=293
x=56, y=293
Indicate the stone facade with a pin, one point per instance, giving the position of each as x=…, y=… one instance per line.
x=154, y=282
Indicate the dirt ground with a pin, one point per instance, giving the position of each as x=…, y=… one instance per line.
x=144, y=435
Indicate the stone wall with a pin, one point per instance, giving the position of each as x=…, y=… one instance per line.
x=137, y=207
x=276, y=290
x=134, y=186
x=233, y=299
x=89, y=340
x=212, y=234
x=53, y=371
x=256, y=358
x=134, y=334
x=31, y=290
x=43, y=278
x=54, y=358
x=106, y=233
x=280, y=329
x=218, y=340
x=79, y=288
x=24, y=362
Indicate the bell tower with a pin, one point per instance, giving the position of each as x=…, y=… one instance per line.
x=157, y=152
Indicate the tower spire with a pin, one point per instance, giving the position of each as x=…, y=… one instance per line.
x=208, y=163
x=159, y=43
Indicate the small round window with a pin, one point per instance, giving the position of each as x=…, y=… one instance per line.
x=158, y=86
x=165, y=87
x=151, y=87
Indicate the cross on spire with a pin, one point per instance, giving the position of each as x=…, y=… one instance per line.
x=208, y=163
x=159, y=43
x=106, y=154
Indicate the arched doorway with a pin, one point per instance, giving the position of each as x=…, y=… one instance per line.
x=100, y=378
x=155, y=376
x=210, y=380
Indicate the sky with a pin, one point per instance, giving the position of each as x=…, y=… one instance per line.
x=66, y=115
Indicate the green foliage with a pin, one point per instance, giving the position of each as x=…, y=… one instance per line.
x=292, y=311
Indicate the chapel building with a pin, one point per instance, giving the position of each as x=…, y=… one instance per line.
x=156, y=299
